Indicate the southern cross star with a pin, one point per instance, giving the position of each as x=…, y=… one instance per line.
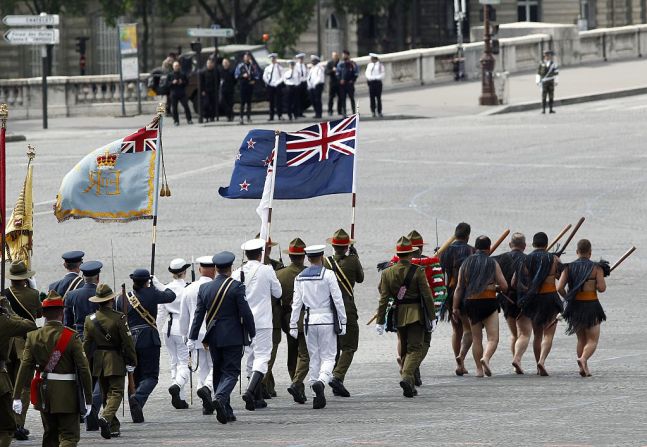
x=244, y=186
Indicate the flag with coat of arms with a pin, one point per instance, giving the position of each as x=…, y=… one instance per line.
x=116, y=182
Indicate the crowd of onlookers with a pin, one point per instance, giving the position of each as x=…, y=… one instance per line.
x=290, y=89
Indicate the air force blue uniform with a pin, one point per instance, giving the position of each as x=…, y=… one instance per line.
x=224, y=335
x=63, y=284
x=78, y=306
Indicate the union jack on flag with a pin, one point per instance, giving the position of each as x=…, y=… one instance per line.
x=145, y=139
x=320, y=141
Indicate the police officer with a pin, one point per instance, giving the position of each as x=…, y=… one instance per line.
x=197, y=354
x=109, y=345
x=547, y=78
x=142, y=305
x=55, y=353
x=348, y=271
x=77, y=307
x=72, y=261
x=298, y=360
x=222, y=306
x=261, y=286
x=374, y=76
x=11, y=325
x=410, y=319
x=273, y=78
x=247, y=74
x=316, y=289
x=291, y=82
x=168, y=321
x=25, y=303
x=316, y=80
x=301, y=71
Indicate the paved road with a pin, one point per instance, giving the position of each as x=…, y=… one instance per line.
x=526, y=172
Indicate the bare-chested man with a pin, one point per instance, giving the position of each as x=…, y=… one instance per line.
x=584, y=313
x=478, y=280
x=451, y=261
x=539, y=302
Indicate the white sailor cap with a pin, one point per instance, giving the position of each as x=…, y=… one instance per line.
x=272, y=55
x=253, y=244
x=375, y=55
x=205, y=261
x=298, y=55
x=178, y=265
x=314, y=57
x=315, y=250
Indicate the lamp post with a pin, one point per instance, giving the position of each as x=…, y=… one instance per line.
x=459, y=15
x=488, y=96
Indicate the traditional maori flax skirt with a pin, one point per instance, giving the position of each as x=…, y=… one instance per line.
x=479, y=309
x=543, y=308
x=510, y=310
x=583, y=315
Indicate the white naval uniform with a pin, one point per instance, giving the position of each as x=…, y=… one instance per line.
x=261, y=286
x=374, y=71
x=313, y=289
x=273, y=75
x=290, y=78
x=199, y=357
x=301, y=70
x=172, y=335
x=316, y=76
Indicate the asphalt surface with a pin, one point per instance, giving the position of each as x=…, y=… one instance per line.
x=526, y=172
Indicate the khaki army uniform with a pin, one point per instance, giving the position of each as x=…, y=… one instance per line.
x=351, y=273
x=59, y=401
x=109, y=345
x=25, y=302
x=10, y=326
x=268, y=382
x=298, y=359
x=410, y=317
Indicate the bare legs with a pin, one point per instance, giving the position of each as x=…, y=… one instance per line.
x=461, y=343
x=524, y=330
x=548, y=333
x=587, y=343
x=512, y=325
x=481, y=357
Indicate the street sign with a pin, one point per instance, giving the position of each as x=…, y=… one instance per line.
x=43, y=20
x=32, y=36
x=490, y=2
x=210, y=32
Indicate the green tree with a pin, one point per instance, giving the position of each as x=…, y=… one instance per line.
x=168, y=10
x=35, y=7
x=290, y=24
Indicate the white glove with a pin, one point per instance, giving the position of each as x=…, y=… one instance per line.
x=88, y=409
x=190, y=344
x=158, y=284
x=343, y=330
x=294, y=333
x=17, y=406
x=130, y=369
x=379, y=328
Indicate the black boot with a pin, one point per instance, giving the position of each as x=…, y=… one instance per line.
x=136, y=411
x=416, y=377
x=259, y=398
x=297, y=390
x=21, y=434
x=221, y=412
x=250, y=393
x=408, y=390
x=338, y=388
x=105, y=428
x=207, y=404
x=319, y=400
x=176, y=401
x=92, y=421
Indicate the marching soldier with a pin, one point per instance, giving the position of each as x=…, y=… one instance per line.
x=168, y=321
x=198, y=356
x=348, y=271
x=11, y=325
x=55, y=353
x=141, y=311
x=77, y=307
x=230, y=326
x=261, y=286
x=26, y=304
x=547, y=78
x=479, y=279
x=404, y=287
x=273, y=78
x=374, y=76
x=298, y=360
x=538, y=300
x=109, y=345
x=72, y=280
x=315, y=82
x=316, y=289
x=268, y=385
x=451, y=261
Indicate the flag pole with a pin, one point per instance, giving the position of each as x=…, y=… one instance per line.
x=354, y=189
x=161, y=109
x=275, y=158
x=4, y=114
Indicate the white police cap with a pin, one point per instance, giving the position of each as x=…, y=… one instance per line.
x=253, y=244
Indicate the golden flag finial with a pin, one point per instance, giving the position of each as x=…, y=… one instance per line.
x=31, y=152
x=4, y=114
x=161, y=109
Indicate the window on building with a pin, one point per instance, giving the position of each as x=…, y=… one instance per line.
x=528, y=10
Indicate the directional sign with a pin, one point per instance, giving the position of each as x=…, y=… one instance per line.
x=44, y=20
x=210, y=32
x=31, y=36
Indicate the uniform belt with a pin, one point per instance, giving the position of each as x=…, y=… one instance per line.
x=140, y=327
x=547, y=287
x=55, y=376
x=586, y=296
x=487, y=294
x=107, y=348
x=408, y=301
x=319, y=310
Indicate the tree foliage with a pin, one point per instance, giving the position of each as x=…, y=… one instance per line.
x=290, y=24
x=35, y=7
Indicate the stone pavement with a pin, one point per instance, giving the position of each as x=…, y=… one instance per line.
x=525, y=171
